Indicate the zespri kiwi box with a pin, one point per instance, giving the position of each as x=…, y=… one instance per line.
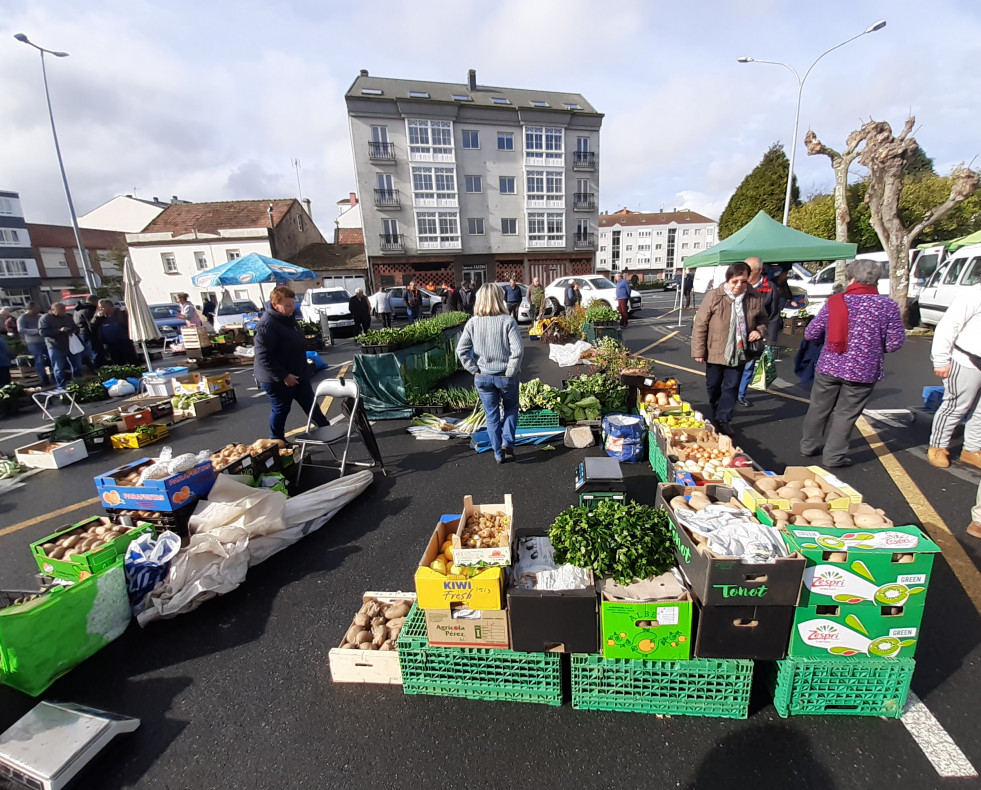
x=810, y=484
x=863, y=568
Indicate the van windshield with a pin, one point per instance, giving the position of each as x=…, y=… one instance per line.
x=330, y=297
x=926, y=265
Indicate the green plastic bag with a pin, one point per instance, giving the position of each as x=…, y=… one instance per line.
x=43, y=639
x=765, y=373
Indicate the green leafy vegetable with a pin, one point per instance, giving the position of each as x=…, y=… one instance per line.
x=536, y=395
x=419, y=332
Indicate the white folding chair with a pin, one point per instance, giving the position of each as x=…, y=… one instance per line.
x=337, y=431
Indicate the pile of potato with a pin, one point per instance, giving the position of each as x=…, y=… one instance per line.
x=132, y=477
x=661, y=400
x=376, y=626
x=833, y=519
x=808, y=490
x=698, y=501
x=69, y=546
x=703, y=460
x=486, y=531
x=232, y=452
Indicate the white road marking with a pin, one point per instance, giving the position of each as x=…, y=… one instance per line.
x=17, y=433
x=885, y=416
x=937, y=745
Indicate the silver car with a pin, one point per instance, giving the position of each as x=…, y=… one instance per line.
x=432, y=304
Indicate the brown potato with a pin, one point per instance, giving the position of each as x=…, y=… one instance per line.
x=767, y=484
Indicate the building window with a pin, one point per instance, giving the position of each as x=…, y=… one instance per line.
x=299, y=222
x=9, y=237
x=169, y=263
x=233, y=255
x=698, y=231
x=12, y=268
x=545, y=185
x=544, y=145
x=658, y=246
x=629, y=247
x=644, y=233
x=660, y=233
x=546, y=228
x=603, y=248
x=509, y=227
x=629, y=234
x=507, y=185
x=430, y=141
x=437, y=229
x=17, y=297
x=535, y=187
x=6, y=206
x=684, y=245
x=434, y=186
x=643, y=247
x=475, y=226
x=201, y=261
x=684, y=231
x=471, y=138
x=505, y=141
x=472, y=184
x=697, y=245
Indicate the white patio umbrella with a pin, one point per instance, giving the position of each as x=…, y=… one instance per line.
x=142, y=327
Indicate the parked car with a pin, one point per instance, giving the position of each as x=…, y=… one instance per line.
x=525, y=310
x=593, y=288
x=432, y=303
x=168, y=319
x=331, y=302
x=672, y=283
x=237, y=313
x=962, y=270
x=73, y=301
x=822, y=284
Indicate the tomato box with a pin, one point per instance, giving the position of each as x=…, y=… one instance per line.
x=483, y=590
x=75, y=567
x=51, y=455
x=167, y=493
x=868, y=568
x=728, y=581
x=125, y=441
x=483, y=556
x=659, y=630
x=369, y=666
x=841, y=631
x=467, y=628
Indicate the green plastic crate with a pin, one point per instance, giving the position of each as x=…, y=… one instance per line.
x=501, y=675
x=539, y=418
x=697, y=687
x=659, y=461
x=844, y=686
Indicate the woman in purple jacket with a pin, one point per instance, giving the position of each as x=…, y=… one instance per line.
x=859, y=328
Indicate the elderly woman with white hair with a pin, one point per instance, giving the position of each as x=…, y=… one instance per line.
x=858, y=327
x=491, y=348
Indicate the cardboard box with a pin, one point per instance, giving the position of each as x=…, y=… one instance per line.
x=728, y=581
x=842, y=631
x=195, y=337
x=160, y=406
x=126, y=441
x=127, y=420
x=757, y=632
x=467, y=628
x=134, y=419
x=368, y=666
x=51, y=455
x=76, y=567
x=168, y=493
x=678, y=451
x=551, y=621
x=864, y=568
x=111, y=420
x=200, y=408
x=482, y=590
x=764, y=513
x=650, y=630
x=483, y=557
x=195, y=382
x=753, y=497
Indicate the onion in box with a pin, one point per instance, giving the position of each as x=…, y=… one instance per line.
x=155, y=471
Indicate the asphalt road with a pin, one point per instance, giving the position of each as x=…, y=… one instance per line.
x=238, y=695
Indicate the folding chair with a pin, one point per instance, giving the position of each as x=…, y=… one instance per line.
x=339, y=429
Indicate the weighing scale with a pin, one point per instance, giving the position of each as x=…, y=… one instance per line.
x=54, y=741
x=598, y=479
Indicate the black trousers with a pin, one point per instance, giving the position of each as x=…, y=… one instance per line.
x=722, y=383
x=836, y=405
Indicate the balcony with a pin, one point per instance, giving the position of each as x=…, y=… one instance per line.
x=584, y=241
x=584, y=201
x=391, y=242
x=381, y=152
x=387, y=198
x=584, y=160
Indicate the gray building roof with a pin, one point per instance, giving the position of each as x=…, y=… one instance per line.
x=384, y=89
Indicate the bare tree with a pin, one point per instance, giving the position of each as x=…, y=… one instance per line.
x=886, y=156
x=840, y=162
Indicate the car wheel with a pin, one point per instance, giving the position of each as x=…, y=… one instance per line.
x=913, y=319
x=436, y=309
x=604, y=303
x=554, y=308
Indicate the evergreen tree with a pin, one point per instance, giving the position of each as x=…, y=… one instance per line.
x=763, y=189
x=918, y=165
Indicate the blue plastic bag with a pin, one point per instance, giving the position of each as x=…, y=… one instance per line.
x=318, y=362
x=623, y=437
x=146, y=563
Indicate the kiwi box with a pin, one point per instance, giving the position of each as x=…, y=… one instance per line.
x=62, y=562
x=728, y=581
x=167, y=493
x=862, y=516
x=478, y=589
x=842, y=631
x=349, y=665
x=812, y=482
x=864, y=568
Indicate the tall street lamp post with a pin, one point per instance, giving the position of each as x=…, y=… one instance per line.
x=83, y=258
x=800, y=89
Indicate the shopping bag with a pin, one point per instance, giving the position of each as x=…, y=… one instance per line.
x=75, y=346
x=146, y=563
x=766, y=371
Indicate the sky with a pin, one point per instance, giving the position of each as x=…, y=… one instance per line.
x=213, y=99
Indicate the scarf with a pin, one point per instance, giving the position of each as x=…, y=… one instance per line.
x=837, y=341
x=736, y=341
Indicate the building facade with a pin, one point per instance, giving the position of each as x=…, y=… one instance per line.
x=56, y=253
x=652, y=245
x=188, y=238
x=470, y=182
x=125, y=213
x=20, y=278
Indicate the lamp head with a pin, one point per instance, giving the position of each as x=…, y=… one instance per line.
x=744, y=59
x=60, y=54
x=877, y=26
x=22, y=37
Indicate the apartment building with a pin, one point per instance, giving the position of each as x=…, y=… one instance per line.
x=460, y=181
x=20, y=280
x=652, y=244
x=125, y=213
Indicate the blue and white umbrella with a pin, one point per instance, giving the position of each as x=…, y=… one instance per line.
x=253, y=269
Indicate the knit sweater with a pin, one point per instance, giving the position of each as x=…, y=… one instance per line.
x=492, y=345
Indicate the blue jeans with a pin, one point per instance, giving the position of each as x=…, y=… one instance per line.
x=495, y=392
x=65, y=366
x=412, y=314
x=40, y=354
x=747, y=378
x=281, y=399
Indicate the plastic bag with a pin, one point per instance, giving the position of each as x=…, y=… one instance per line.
x=146, y=563
x=765, y=373
x=568, y=354
x=318, y=362
x=121, y=387
x=75, y=345
x=623, y=437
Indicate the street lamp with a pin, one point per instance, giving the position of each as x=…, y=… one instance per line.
x=800, y=89
x=83, y=259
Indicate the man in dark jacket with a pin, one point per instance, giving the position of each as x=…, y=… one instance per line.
x=281, y=362
x=57, y=327
x=94, y=355
x=572, y=295
x=451, y=298
x=512, y=298
x=413, y=302
x=112, y=328
x=467, y=297
x=360, y=309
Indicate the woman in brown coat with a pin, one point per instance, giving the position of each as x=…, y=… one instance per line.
x=728, y=317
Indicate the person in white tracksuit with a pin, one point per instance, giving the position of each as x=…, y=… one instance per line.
x=974, y=528
x=956, y=356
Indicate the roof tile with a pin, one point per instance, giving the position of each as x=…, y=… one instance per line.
x=180, y=219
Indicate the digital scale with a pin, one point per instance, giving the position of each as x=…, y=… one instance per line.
x=54, y=741
x=598, y=479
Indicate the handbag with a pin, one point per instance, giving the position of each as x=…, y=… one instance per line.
x=754, y=348
x=75, y=346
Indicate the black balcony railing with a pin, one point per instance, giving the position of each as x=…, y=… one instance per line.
x=584, y=241
x=584, y=201
x=583, y=160
x=381, y=151
x=387, y=198
x=391, y=242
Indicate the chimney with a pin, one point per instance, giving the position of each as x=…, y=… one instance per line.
x=306, y=205
x=353, y=199
x=156, y=199
x=173, y=199
x=472, y=79
x=364, y=72
x=269, y=211
x=129, y=196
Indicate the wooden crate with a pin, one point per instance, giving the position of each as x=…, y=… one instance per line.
x=369, y=666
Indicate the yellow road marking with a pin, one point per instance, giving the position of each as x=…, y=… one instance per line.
x=960, y=563
x=658, y=342
x=53, y=514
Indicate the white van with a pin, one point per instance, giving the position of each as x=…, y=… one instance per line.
x=925, y=264
x=961, y=270
x=797, y=275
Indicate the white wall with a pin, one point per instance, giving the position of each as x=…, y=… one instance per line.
x=122, y=214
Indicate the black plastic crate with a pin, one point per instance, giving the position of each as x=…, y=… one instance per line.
x=227, y=398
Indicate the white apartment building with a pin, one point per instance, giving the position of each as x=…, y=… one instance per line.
x=652, y=244
x=460, y=181
x=20, y=279
x=125, y=213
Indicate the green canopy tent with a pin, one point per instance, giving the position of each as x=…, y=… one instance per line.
x=964, y=241
x=767, y=239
